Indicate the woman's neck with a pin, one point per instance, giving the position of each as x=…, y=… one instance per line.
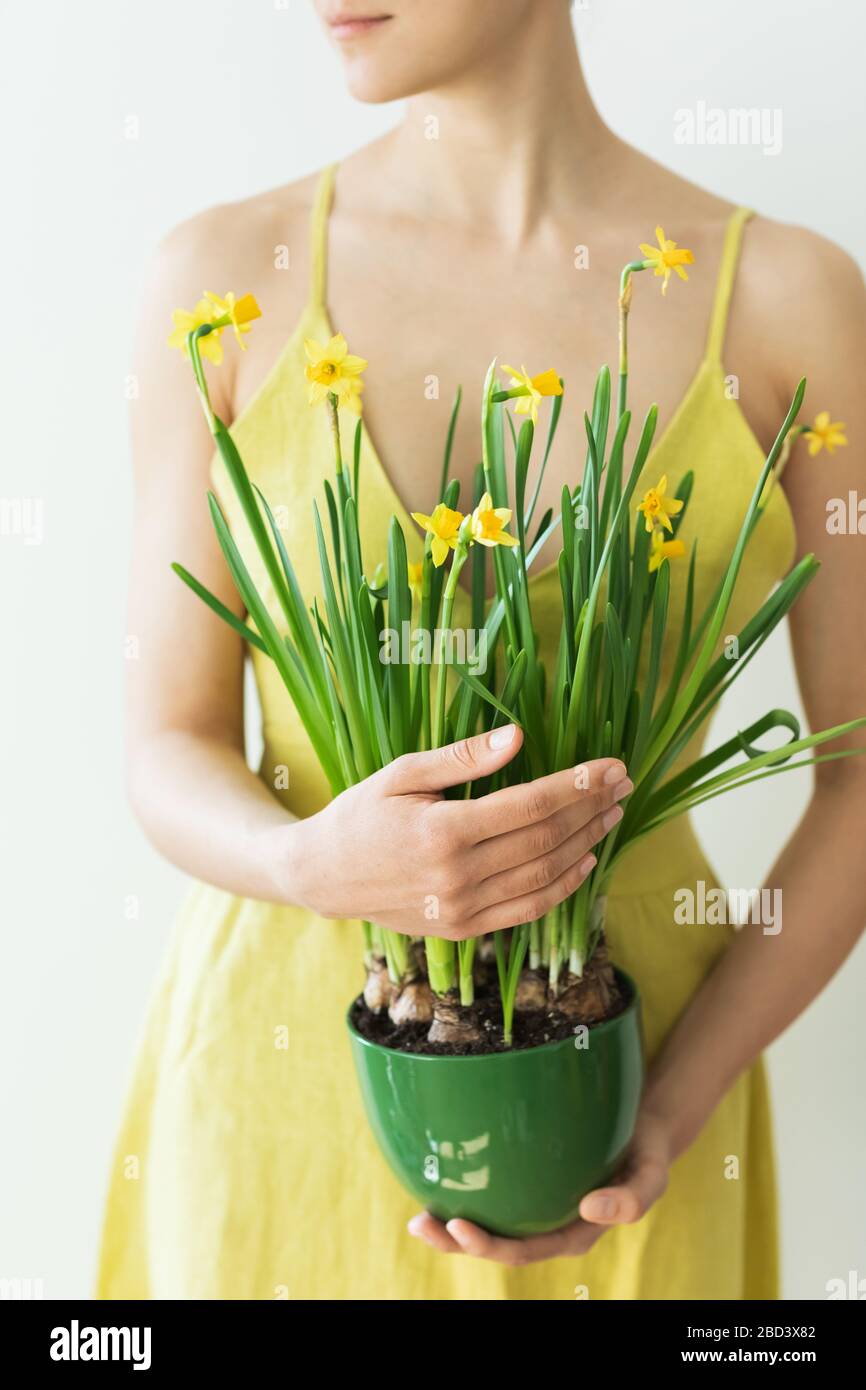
x=510, y=142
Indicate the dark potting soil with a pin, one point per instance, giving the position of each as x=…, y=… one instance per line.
x=532, y=1028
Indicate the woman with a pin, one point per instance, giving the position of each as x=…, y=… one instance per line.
x=447, y=242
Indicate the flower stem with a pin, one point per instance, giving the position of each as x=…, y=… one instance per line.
x=554, y=960
x=790, y=439
x=423, y=668
x=516, y=957
x=510, y=395
x=447, y=609
x=441, y=953
x=535, y=945
x=466, y=960
x=199, y=374
x=334, y=418
x=624, y=306
x=440, y=964
x=369, y=954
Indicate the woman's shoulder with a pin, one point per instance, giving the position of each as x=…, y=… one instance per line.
x=773, y=249
x=238, y=245
x=792, y=259
x=799, y=293
x=783, y=269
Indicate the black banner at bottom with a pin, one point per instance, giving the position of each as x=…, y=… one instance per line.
x=64, y=1338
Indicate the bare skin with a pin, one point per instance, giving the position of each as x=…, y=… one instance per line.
x=469, y=240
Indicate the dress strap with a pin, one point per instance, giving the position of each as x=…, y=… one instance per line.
x=725, y=283
x=319, y=235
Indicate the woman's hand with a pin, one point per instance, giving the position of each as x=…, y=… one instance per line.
x=392, y=850
x=642, y=1181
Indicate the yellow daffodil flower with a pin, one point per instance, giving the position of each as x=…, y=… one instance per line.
x=825, y=433
x=660, y=550
x=443, y=526
x=666, y=257
x=185, y=322
x=545, y=384
x=657, y=508
x=351, y=397
x=239, y=312
x=334, y=370
x=489, y=522
x=415, y=574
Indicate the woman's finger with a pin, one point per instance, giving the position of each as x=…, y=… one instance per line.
x=642, y=1182
x=427, y=1228
x=632, y=1197
x=465, y=1238
x=532, y=802
x=529, y=907
x=533, y=842
x=538, y=873
x=455, y=763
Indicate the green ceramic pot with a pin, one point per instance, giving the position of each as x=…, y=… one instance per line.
x=510, y=1140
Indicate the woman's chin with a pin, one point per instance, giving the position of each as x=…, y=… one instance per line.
x=375, y=87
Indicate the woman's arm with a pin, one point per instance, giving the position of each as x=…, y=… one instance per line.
x=765, y=982
x=188, y=780
x=377, y=851
x=768, y=979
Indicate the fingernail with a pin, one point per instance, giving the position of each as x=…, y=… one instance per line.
x=614, y=774
x=414, y=1225
x=604, y=1209
x=624, y=789
x=611, y=817
x=500, y=738
x=587, y=865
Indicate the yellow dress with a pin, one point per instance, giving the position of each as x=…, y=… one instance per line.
x=244, y=1166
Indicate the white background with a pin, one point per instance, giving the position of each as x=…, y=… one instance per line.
x=230, y=97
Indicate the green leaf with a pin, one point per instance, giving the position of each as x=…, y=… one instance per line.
x=543, y=529
x=567, y=741
x=356, y=460
x=521, y=468
x=240, y=481
x=220, y=609
x=567, y=514
x=296, y=614
x=399, y=614
x=555, y=413
x=487, y=695
x=338, y=718
x=714, y=629
x=370, y=649
x=616, y=653
x=661, y=594
x=741, y=742
x=493, y=443
x=341, y=645
x=613, y=479
x=775, y=761
x=601, y=414
x=284, y=657
x=449, y=442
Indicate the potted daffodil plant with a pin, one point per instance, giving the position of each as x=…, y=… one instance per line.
x=502, y=1076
